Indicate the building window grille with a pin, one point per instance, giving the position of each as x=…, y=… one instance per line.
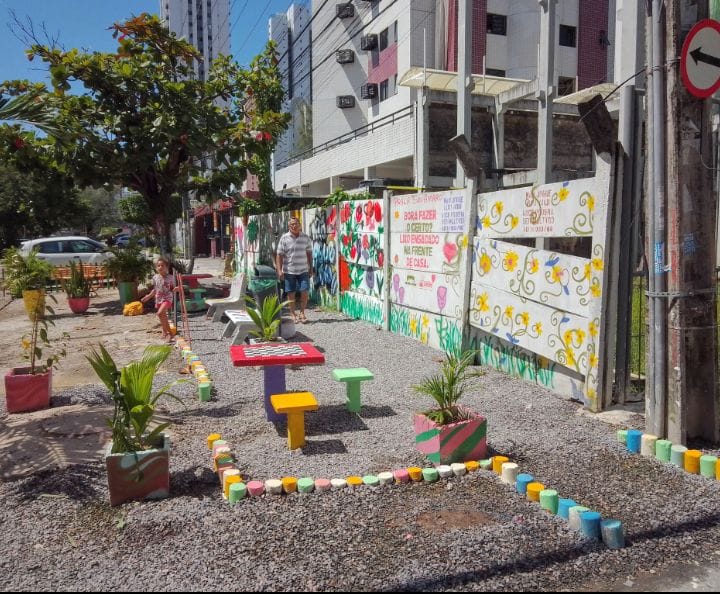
x=568, y=36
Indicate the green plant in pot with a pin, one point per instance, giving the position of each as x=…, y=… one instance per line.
x=266, y=317
x=77, y=287
x=128, y=267
x=29, y=388
x=26, y=277
x=449, y=432
x=137, y=460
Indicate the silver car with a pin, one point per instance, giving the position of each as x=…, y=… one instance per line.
x=60, y=251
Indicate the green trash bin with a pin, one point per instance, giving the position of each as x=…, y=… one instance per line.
x=263, y=282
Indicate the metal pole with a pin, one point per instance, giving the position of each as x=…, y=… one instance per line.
x=464, y=80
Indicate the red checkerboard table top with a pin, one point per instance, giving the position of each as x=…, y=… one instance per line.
x=297, y=353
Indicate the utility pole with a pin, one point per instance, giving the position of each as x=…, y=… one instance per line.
x=692, y=407
x=464, y=81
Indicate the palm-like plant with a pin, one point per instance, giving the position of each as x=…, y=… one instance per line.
x=132, y=392
x=448, y=386
x=266, y=318
x=34, y=109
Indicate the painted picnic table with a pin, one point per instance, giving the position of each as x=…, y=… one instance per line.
x=273, y=357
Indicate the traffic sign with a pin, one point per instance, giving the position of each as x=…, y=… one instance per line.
x=700, y=59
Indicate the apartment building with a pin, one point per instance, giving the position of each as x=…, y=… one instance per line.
x=204, y=23
x=291, y=33
x=371, y=59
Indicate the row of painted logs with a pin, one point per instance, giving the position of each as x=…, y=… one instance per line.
x=581, y=518
x=693, y=461
x=197, y=368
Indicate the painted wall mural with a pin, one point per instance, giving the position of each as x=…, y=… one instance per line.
x=428, y=244
x=262, y=235
x=568, y=282
x=362, y=307
x=321, y=224
x=362, y=257
x=539, y=308
x=441, y=332
x=563, y=209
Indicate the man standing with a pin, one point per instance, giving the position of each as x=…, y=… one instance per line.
x=294, y=264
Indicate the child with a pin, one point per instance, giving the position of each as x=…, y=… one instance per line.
x=163, y=287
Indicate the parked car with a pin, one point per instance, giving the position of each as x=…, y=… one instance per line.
x=60, y=251
x=123, y=239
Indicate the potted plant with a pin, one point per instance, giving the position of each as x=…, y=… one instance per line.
x=77, y=287
x=138, y=458
x=28, y=388
x=449, y=432
x=128, y=267
x=26, y=277
x=266, y=318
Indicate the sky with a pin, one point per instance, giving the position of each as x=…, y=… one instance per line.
x=84, y=24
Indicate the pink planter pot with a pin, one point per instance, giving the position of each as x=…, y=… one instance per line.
x=79, y=304
x=25, y=392
x=139, y=475
x=456, y=442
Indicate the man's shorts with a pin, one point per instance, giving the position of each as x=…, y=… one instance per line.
x=297, y=282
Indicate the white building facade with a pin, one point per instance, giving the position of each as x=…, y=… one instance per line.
x=204, y=23
x=365, y=122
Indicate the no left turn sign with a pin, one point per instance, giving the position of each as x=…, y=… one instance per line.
x=700, y=59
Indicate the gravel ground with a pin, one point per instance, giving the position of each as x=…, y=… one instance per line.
x=57, y=531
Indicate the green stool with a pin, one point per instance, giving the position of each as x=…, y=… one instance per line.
x=352, y=378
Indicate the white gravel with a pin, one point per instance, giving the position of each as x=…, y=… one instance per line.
x=57, y=531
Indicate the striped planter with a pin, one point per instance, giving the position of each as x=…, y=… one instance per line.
x=139, y=475
x=456, y=442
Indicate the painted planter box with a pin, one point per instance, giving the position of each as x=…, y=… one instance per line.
x=25, y=392
x=456, y=442
x=139, y=475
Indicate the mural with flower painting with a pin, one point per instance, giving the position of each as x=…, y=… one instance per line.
x=321, y=224
x=434, y=330
x=428, y=243
x=568, y=282
x=362, y=257
x=530, y=302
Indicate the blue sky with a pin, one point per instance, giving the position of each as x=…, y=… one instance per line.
x=83, y=24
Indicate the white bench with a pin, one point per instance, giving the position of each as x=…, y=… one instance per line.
x=238, y=326
x=236, y=300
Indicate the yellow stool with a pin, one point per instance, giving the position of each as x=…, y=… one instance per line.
x=294, y=404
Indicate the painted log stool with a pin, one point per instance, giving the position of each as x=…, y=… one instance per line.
x=352, y=378
x=294, y=405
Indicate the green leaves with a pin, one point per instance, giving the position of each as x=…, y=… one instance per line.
x=267, y=318
x=132, y=392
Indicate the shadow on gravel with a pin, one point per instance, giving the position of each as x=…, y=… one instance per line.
x=376, y=412
x=78, y=482
x=332, y=419
x=324, y=446
x=194, y=482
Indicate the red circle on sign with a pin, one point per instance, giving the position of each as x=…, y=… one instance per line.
x=685, y=56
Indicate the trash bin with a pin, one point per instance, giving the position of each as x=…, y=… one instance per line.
x=263, y=282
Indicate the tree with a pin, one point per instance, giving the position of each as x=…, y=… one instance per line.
x=145, y=121
x=36, y=198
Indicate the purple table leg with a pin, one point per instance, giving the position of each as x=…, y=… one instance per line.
x=274, y=384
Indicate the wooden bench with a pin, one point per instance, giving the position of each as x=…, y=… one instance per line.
x=95, y=273
x=352, y=378
x=294, y=404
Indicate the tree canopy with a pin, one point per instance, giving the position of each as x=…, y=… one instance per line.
x=146, y=122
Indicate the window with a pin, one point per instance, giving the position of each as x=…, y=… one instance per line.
x=383, y=39
x=384, y=90
x=567, y=36
x=49, y=247
x=566, y=85
x=494, y=72
x=496, y=24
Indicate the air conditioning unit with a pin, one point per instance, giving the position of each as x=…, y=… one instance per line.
x=345, y=101
x=369, y=42
x=345, y=10
x=369, y=91
x=345, y=56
